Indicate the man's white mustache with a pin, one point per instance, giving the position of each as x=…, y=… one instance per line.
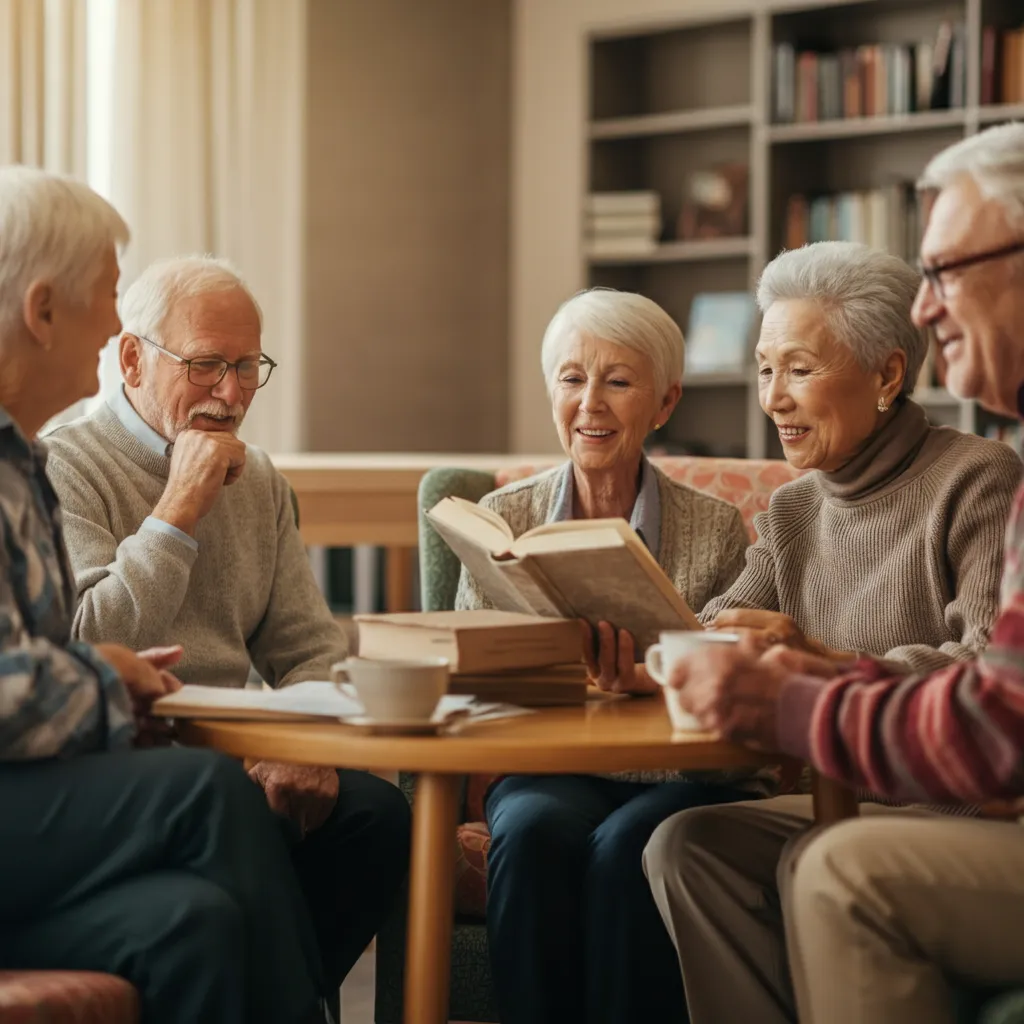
x=217, y=409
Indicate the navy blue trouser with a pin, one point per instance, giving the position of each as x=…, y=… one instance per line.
x=573, y=930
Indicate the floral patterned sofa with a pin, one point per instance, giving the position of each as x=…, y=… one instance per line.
x=748, y=484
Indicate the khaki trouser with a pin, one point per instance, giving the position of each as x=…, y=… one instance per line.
x=882, y=913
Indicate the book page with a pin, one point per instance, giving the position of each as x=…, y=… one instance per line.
x=481, y=525
x=499, y=586
x=302, y=699
x=610, y=583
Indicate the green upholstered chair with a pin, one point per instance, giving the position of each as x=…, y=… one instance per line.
x=439, y=568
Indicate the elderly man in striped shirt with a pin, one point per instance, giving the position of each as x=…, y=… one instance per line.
x=879, y=918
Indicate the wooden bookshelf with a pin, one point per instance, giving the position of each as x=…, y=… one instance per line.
x=668, y=100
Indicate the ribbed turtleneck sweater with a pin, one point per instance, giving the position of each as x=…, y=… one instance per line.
x=246, y=593
x=898, y=554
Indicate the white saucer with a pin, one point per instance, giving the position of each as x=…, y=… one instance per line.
x=395, y=726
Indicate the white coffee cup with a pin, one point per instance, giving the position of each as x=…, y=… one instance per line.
x=393, y=690
x=661, y=657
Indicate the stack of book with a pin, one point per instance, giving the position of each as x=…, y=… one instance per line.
x=885, y=218
x=1002, y=65
x=622, y=223
x=495, y=655
x=869, y=81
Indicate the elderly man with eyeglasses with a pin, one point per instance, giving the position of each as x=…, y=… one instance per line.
x=878, y=919
x=180, y=533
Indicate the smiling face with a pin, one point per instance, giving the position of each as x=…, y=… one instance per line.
x=978, y=322
x=215, y=325
x=605, y=402
x=824, y=404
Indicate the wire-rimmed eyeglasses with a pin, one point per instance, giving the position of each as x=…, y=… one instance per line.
x=209, y=371
x=933, y=274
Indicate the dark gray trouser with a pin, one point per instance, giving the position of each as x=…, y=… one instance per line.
x=166, y=868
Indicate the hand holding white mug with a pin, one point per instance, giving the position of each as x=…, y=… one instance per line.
x=663, y=656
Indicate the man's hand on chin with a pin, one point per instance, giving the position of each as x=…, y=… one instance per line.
x=305, y=795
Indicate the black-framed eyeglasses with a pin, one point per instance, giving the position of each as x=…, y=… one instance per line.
x=208, y=371
x=933, y=274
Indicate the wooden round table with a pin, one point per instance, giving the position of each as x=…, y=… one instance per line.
x=604, y=735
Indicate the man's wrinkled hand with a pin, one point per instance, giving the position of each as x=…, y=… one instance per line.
x=305, y=795
x=735, y=693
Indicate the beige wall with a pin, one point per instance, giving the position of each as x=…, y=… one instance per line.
x=406, y=235
x=549, y=172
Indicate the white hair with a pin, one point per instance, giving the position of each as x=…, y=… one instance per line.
x=150, y=301
x=865, y=295
x=994, y=159
x=625, y=318
x=52, y=229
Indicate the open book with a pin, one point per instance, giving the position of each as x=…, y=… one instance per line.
x=593, y=569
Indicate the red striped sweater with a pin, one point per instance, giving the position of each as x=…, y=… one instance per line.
x=956, y=734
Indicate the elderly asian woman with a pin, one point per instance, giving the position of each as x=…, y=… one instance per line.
x=573, y=930
x=891, y=546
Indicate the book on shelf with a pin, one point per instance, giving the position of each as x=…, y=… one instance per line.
x=478, y=641
x=1002, y=65
x=884, y=218
x=622, y=223
x=593, y=569
x=715, y=203
x=623, y=203
x=870, y=80
x=718, y=332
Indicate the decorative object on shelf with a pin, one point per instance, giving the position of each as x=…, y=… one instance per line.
x=622, y=223
x=868, y=81
x=715, y=203
x=718, y=335
x=885, y=218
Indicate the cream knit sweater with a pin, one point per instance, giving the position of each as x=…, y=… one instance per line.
x=247, y=593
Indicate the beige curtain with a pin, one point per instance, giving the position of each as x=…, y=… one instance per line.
x=208, y=157
x=42, y=84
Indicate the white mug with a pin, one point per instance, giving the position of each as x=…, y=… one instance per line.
x=393, y=690
x=662, y=656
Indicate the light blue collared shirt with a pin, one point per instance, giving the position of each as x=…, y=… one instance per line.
x=646, y=515
x=147, y=436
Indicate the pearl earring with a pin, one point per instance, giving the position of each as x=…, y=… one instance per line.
x=882, y=407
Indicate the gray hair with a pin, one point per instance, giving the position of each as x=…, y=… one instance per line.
x=624, y=318
x=994, y=158
x=150, y=301
x=52, y=229
x=865, y=295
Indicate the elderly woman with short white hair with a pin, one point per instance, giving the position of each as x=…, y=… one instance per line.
x=573, y=931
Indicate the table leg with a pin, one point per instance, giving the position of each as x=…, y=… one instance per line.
x=431, y=916
x=398, y=579
x=832, y=800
